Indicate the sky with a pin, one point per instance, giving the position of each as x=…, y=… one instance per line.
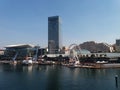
x=26, y=21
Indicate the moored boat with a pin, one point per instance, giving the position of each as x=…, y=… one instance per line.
x=28, y=61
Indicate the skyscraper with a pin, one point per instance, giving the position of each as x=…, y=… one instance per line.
x=117, y=46
x=118, y=42
x=54, y=35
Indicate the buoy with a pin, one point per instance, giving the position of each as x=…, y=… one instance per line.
x=116, y=80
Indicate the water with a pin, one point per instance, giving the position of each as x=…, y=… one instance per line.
x=57, y=78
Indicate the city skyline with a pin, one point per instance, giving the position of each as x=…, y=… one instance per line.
x=25, y=21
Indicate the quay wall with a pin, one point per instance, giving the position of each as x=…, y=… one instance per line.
x=112, y=65
x=101, y=65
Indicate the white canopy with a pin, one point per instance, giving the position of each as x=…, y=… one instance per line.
x=19, y=45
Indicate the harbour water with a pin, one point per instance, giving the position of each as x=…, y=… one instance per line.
x=53, y=77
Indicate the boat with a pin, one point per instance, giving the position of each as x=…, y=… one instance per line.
x=102, y=62
x=27, y=61
x=76, y=64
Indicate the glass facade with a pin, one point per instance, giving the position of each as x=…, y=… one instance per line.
x=54, y=35
x=23, y=52
x=118, y=42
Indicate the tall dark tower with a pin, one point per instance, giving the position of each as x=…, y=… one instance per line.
x=118, y=42
x=54, y=35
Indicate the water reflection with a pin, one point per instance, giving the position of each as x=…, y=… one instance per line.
x=75, y=73
x=16, y=68
x=27, y=68
x=8, y=68
x=53, y=76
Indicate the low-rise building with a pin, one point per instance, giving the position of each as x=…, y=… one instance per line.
x=2, y=51
x=20, y=51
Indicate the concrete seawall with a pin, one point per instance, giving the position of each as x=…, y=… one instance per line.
x=106, y=65
x=112, y=65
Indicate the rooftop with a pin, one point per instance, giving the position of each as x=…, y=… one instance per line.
x=19, y=46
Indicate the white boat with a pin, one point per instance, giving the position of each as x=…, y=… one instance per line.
x=102, y=62
x=28, y=61
x=76, y=64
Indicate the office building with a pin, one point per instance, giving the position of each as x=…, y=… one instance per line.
x=54, y=35
x=118, y=42
x=117, y=46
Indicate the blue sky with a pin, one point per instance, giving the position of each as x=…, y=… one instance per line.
x=26, y=21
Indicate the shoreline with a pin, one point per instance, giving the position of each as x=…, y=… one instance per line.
x=96, y=66
x=85, y=65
